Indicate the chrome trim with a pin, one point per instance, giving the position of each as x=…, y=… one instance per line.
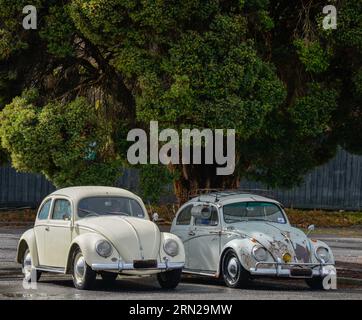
x=50, y=269
x=280, y=272
x=122, y=266
x=201, y=273
x=316, y=254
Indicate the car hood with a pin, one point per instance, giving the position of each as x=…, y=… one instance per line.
x=134, y=238
x=278, y=239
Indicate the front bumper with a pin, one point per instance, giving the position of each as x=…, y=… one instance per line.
x=293, y=270
x=122, y=266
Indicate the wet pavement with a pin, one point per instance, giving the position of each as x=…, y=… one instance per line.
x=347, y=251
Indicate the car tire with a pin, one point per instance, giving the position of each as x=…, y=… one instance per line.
x=108, y=277
x=169, y=279
x=82, y=274
x=315, y=283
x=234, y=274
x=28, y=267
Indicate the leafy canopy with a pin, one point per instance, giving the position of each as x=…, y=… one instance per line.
x=290, y=89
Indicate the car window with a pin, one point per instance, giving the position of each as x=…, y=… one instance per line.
x=101, y=206
x=44, y=211
x=212, y=221
x=184, y=216
x=253, y=211
x=61, y=210
x=136, y=209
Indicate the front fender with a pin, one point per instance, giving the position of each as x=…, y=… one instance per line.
x=243, y=248
x=27, y=240
x=86, y=243
x=163, y=255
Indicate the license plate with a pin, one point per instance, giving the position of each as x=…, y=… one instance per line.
x=145, y=264
x=301, y=272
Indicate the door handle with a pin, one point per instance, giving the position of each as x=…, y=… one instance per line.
x=215, y=232
x=191, y=233
x=47, y=229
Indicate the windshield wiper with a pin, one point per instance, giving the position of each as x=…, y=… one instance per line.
x=117, y=213
x=90, y=212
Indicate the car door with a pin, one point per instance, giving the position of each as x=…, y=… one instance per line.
x=41, y=223
x=58, y=233
x=181, y=226
x=204, y=243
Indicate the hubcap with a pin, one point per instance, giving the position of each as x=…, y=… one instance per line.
x=79, y=268
x=232, y=267
x=27, y=265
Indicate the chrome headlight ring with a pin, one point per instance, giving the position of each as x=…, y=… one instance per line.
x=104, y=248
x=259, y=253
x=171, y=247
x=322, y=254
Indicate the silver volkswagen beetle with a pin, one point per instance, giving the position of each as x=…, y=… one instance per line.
x=238, y=236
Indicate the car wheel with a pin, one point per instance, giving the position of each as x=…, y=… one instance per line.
x=83, y=275
x=109, y=277
x=28, y=267
x=315, y=283
x=235, y=276
x=169, y=279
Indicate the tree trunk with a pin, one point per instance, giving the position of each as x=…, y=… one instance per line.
x=195, y=179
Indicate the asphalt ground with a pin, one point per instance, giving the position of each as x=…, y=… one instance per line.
x=348, y=253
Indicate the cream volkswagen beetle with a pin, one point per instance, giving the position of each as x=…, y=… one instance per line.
x=88, y=230
x=238, y=236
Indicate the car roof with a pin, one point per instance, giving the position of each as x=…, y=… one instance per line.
x=229, y=197
x=92, y=191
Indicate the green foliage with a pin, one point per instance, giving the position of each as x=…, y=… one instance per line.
x=56, y=140
x=312, y=113
x=154, y=180
x=313, y=57
x=349, y=30
x=59, y=32
x=265, y=68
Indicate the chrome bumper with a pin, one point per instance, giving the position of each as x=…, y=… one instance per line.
x=284, y=269
x=121, y=266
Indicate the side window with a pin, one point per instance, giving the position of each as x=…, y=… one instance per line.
x=44, y=211
x=212, y=221
x=184, y=216
x=62, y=210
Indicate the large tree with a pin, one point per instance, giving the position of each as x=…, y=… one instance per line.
x=268, y=69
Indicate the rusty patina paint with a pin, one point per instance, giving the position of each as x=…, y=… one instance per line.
x=302, y=253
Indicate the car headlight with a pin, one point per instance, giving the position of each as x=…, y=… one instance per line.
x=171, y=247
x=322, y=254
x=259, y=253
x=104, y=248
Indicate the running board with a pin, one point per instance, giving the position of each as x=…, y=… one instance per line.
x=200, y=273
x=50, y=269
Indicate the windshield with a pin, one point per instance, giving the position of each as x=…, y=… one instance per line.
x=100, y=206
x=253, y=211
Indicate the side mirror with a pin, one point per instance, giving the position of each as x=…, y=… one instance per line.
x=310, y=228
x=66, y=217
x=201, y=212
x=155, y=217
